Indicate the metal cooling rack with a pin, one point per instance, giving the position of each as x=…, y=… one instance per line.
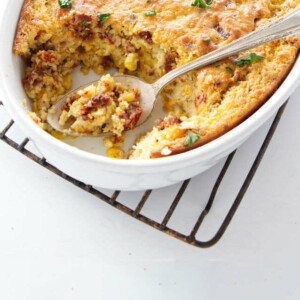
x=137, y=212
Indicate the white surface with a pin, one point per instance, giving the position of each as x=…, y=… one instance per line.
x=58, y=242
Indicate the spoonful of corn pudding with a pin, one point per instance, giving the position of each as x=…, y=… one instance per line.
x=104, y=107
x=119, y=103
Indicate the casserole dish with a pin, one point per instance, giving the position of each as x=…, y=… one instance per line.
x=118, y=174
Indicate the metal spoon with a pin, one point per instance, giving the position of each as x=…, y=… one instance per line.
x=287, y=25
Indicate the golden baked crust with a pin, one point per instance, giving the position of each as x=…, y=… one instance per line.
x=208, y=102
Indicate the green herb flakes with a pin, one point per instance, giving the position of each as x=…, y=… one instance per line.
x=191, y=138
x=65, y=4
x=202, y=3
x=150, y=13
x=252, y=57
x=104, y=17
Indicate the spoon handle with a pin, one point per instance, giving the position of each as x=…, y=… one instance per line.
x=284, y=26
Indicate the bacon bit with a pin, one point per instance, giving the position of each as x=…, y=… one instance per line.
x=65, y=107
x=80, y=18
x=221, y=31
x=170, y=120
x=32, y=79
x=81, y=24
x=44, y=46
x=85, y=117
x=237, y=74
x=128, y=47
x=136, y=93
x=109, y=38
x=26, y=80
x=49, y=57
x=135, y=115
x=123, y=115
x=117, y=139
x=96, y=101
x=37, y=81
x=200, y=99
x=132, y=115
x=106, y=36
x=84, y=33
x=147, y=36
x=100, y=100
x=72, y=99
x=169, y=61
x=159, y=122
x=107, y=61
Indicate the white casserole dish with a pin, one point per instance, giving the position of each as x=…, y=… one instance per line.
x=110, y=173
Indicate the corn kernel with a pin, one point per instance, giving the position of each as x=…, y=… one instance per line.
x=115, y=153
x=85, y=70
x=67, y=83
x=99, y=69
x=58, y=135
x=178, y=112
x=129, y=97
x=107, y=143
x=34, y=107
x=131, y=61
x=187, y=90
x=174, y=133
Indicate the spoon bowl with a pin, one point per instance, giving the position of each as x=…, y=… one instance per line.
x=146, y=100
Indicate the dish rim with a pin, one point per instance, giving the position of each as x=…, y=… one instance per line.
x=209, y=150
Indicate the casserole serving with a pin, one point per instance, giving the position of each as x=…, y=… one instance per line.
x=148, y=39
x=110, y=173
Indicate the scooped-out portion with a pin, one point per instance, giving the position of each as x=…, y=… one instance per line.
x=108, y=107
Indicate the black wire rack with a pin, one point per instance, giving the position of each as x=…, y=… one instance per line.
x=137, y=212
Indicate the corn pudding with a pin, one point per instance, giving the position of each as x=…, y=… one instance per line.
x=148, y=39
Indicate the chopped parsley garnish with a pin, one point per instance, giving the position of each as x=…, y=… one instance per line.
x=65, y=4
x=104, y=17
x=150, y=13
x=229, y=69
x=83, y=22
x=148, y=1
x=202, y=3
x=206, y=40
x=191, y=138
x=252, y=57
x=217, y=66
